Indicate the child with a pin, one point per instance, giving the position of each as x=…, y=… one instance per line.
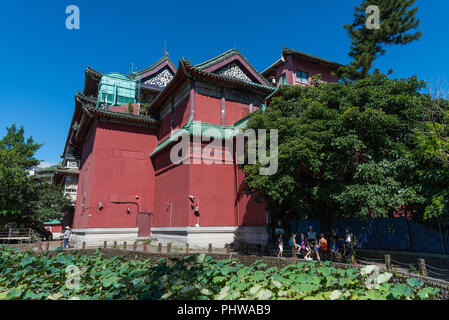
x=302, y=244
x=280, y=245
x=309, y=247
x=315, y=246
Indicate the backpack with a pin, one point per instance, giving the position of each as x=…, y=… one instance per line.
x=290, y=242
x=323, y=245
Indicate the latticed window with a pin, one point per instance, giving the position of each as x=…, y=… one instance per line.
x=302, y=77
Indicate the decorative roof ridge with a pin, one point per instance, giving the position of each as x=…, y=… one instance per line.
x=225, y=55
x=156, y=64
x=217, y=59
x=225, y=78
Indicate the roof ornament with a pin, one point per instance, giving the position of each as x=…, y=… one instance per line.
x=165, y=49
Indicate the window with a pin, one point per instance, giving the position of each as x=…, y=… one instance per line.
x=283, y=79
x=302, y=77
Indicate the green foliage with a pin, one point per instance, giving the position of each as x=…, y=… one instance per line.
x=349, y=150
x=27, y=276
x=397, y=18
x=433, y=134
x=23, y=198
x=130, y=108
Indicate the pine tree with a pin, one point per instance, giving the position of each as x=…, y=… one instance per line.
x=397, y=18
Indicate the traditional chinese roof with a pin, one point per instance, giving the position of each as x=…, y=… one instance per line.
x=54, y=221
x=209, y=64
x=192, y=126
x=187, y=70
x=93, y=110
x=288, y=51
x=88, y=105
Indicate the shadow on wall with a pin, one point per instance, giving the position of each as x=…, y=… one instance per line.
x=252, y=231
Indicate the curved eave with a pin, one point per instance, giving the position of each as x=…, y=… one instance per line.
x=120, y=115
x=149, y=90
x=91, y=81
x=79, y=100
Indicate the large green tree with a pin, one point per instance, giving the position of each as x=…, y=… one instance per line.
x=397, y=19
x=348, y=150
x=23, y=198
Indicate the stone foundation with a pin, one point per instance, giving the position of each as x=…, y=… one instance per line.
x=200, y=237
x=96, y=236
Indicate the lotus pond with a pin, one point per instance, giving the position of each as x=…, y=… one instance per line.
x=65, y=275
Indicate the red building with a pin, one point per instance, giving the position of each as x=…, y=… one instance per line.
x=121, y=133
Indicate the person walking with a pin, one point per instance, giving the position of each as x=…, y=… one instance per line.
x=292, y=241
x=280, y=246
x=66, y=237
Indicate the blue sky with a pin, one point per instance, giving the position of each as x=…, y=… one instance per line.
x=42, y=63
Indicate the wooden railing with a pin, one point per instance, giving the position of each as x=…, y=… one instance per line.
x=19, y=234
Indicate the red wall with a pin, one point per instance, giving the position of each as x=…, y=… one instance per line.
x=207, y=109
x=172, y=186
x=181, y=117
x=84, y=188
x=214, y=185
x=248, y=210
x=235, y=111
x=122, y=171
